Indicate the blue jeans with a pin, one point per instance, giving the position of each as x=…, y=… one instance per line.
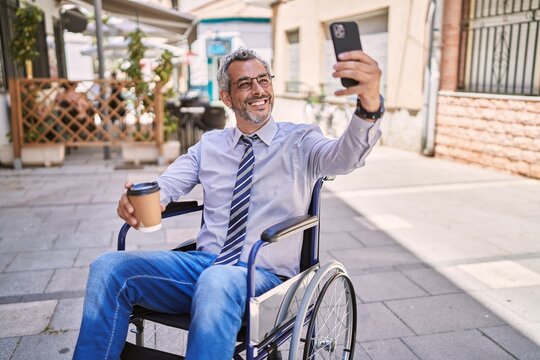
x=166, y=281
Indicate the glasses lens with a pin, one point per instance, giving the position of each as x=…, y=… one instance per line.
x=264, y=80
x=244, y=84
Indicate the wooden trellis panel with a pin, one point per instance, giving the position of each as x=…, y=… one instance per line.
x=84, y=113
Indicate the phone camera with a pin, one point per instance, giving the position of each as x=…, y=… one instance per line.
x=339, y=31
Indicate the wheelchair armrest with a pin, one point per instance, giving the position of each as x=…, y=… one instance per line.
x=289, y=227
x=180, y=207
x=172, y=209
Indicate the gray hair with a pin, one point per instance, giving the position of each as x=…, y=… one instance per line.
x=240, y=54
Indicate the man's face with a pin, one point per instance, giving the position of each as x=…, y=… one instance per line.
x=251, y=99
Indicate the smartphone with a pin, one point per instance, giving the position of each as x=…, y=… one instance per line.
x=346, y=37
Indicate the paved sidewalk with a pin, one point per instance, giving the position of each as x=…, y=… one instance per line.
x=445, y=257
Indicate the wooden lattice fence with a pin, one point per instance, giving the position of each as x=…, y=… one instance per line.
x=84, y=113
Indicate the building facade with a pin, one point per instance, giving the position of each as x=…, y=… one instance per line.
x=392, y=32
x=489, y=100
x=223, y=26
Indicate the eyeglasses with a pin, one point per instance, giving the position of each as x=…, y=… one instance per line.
x=245, y=83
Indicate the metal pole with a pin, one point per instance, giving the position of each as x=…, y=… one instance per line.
x=101, y=60
x=99, y=39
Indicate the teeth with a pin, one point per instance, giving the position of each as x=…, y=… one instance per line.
x=257, y=103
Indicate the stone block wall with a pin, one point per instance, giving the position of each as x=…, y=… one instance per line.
x=493, y=131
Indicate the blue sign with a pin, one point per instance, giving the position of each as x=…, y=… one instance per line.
x=218, y=47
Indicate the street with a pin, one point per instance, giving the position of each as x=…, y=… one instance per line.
x=444, y=257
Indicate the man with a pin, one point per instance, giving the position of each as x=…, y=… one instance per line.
x=253, y=176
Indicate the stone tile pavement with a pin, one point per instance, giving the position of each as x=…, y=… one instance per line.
x=445, y=257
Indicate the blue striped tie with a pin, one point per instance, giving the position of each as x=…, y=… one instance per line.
x=236, y=234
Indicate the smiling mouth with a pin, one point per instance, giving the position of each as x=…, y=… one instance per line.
x=258, y=102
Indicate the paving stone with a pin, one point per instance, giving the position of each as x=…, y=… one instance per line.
x=373, y=238
x=431, y=281
x=5, y=259
x=443, y=313
x=37, y=260
x=67, y=315
x=341, y=224
x=359, y=353
x=513, y=341
x=502, y=274
x=338, y=240
x=72, y=279
x=28, y=318
x=76, y=241
x=39, y=228
x=385, y=286
x=57, y=346
x=522, y=301
x=460, y=345
x=25, y=282
x=388, y=350
x=376, y=322
x=7, y=347
x=533, y=264
x=363, y=258
x=14, y=243
x=86, y=256
x=100, y=225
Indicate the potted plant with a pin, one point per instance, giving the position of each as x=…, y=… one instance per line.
x=25, y=28
x=163, y=71
x=140, y=151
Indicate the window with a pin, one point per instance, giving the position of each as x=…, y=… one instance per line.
x=293, y=62
x=499, y=50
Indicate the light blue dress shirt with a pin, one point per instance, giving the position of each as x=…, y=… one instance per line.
x=289, y=158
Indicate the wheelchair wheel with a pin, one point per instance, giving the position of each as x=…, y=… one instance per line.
x=319, y=288
x=331, y=332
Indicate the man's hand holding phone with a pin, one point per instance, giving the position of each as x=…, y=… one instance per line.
x=358, y=66
x=359, y=73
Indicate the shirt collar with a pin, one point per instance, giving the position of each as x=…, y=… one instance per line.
x=266, y=133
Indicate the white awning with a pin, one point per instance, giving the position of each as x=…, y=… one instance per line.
x=170, y=20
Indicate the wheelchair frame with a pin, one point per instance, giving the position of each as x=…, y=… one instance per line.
x=263, y=341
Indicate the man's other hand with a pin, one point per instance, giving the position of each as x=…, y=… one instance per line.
x=358, y=66
x=125, y=210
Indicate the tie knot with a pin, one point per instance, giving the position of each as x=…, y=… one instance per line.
x=248, y=140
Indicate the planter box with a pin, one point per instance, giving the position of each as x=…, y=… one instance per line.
x=46, y=154
x=171, y=150
x=6, y=155
x=148, y=153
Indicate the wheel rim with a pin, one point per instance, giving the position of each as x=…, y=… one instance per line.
x=331, y=332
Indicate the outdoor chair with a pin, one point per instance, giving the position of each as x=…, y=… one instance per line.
x=310, y=316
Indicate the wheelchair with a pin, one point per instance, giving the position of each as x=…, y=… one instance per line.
x=310, y=316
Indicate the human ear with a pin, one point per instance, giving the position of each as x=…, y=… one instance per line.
x=225, y=97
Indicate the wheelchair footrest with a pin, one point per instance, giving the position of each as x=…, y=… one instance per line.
x=134, y=352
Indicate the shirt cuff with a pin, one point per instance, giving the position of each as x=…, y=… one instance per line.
x=363, y=126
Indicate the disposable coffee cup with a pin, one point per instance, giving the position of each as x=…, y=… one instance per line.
x=145, y=200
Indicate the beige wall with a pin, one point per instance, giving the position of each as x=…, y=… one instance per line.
x=406, y=42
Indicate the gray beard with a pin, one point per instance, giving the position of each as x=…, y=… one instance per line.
x=253, y=118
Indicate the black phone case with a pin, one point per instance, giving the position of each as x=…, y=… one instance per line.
x=346, y=37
